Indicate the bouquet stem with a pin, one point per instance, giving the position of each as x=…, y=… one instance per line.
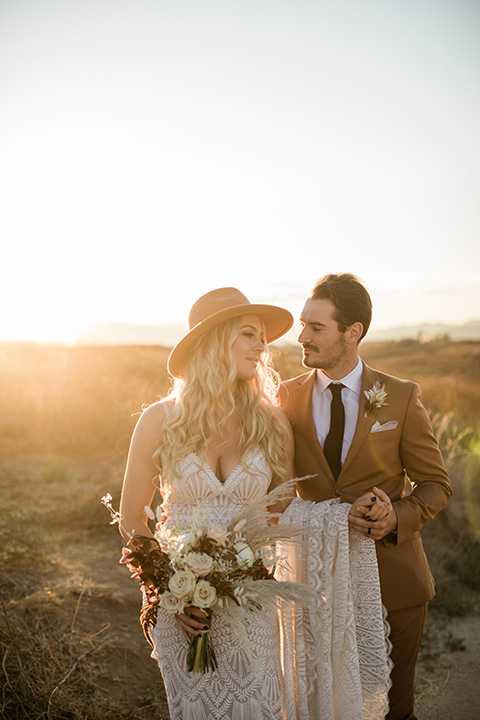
x=201, y=655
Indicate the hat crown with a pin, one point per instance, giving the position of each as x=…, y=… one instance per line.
x=214, y=302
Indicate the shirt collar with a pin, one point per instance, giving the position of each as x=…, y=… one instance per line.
x=353, y=381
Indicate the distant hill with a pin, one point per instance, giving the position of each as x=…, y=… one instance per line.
x=118, y=333
x=425, y=331
x=166, y=335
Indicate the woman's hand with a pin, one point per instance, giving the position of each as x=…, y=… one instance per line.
x=194, y=621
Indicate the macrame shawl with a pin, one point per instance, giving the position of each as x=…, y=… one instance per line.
x=335, y=655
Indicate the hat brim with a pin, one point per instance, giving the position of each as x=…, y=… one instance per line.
x=277, y=322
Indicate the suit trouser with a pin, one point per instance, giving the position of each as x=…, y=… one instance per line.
x=406, y=627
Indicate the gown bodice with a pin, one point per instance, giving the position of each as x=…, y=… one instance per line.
x=197, y=495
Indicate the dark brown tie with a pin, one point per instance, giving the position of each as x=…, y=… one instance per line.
x=334, y=440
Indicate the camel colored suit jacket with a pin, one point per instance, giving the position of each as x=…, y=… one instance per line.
x=383, y=459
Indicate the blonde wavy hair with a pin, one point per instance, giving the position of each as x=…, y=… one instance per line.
x=210, y=395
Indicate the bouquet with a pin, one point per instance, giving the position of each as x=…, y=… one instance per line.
x=209, y=566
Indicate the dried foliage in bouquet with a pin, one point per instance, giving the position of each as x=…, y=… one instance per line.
x=212, y=566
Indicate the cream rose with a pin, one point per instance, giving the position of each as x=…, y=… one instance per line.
x=244, y=554
x=217, y=534
x=189, y=541
x=182, y=584
x=171, y=603
x=204, y=595
x=198, y=563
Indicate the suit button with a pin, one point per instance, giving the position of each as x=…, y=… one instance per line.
x=338, y=493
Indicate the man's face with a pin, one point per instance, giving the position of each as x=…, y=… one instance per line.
x=324, y=346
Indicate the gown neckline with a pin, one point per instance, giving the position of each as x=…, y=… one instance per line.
x=234, y=473
x=213, y=475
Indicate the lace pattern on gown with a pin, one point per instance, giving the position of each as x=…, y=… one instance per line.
x=247, y=684
x=340, y=668
x=329, y=663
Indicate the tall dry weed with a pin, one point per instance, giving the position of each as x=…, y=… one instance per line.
x=62, y=603
x=59, y=399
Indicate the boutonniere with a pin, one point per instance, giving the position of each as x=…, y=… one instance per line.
x=375, y=398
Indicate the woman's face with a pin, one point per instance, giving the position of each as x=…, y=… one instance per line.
x=249, y=346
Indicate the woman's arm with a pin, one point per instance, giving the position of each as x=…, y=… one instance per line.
x=138, y=484
x=138, y=490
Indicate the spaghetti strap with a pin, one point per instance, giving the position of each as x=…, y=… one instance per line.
x=166, y=409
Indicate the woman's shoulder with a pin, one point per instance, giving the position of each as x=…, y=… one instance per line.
x=153, y=416
x=161, y=408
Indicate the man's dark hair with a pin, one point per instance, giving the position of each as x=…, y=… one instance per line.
x=350, y=298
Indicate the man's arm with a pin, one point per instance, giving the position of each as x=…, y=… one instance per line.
x=423, y=462
x=425, y=468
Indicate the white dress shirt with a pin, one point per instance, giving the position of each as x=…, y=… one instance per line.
x=322, y=401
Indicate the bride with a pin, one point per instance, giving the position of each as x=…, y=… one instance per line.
x=221, y=443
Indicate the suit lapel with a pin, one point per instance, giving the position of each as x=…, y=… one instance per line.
x=363, y=423
x=304, y=420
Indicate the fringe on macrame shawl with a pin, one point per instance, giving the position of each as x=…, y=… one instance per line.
x=335, y=654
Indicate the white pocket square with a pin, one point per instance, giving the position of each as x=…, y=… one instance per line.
x=391, y=425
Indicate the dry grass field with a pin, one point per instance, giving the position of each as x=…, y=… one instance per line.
x=70, y=643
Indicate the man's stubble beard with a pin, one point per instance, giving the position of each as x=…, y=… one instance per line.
x=331, y=359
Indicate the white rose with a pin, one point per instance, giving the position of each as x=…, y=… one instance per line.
x=182, y=584
x=189, y=541
x=204, y=595
x=217, y=534
x=171, y=603
x=244, y=554
x=199, y=563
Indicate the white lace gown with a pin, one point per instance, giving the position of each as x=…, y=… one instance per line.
x=327, y=662
x=247, y=684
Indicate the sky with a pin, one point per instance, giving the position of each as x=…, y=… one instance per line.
x=151, y=151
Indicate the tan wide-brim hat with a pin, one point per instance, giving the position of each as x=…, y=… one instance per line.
x=216, y=307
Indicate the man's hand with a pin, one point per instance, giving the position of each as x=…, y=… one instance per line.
x=194, y=621
x=373, y=514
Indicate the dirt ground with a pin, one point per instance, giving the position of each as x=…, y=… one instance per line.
x=450, y=688
x=85, y=589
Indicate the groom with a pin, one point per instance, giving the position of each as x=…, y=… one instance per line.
x=362, y=434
